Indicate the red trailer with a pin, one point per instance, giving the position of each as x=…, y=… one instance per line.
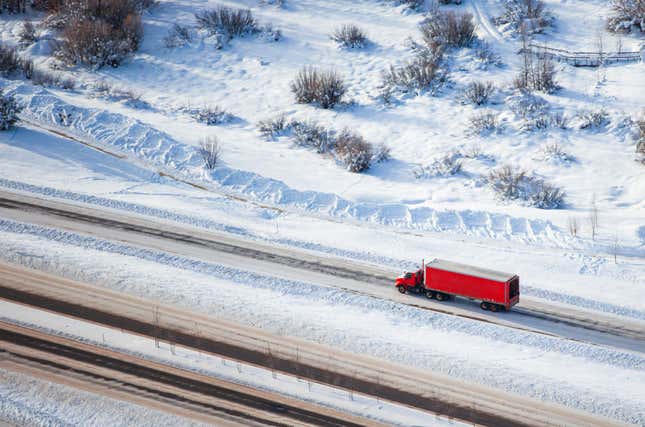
x=441, y=279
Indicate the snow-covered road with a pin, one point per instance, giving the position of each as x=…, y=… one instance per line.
x=300, y=266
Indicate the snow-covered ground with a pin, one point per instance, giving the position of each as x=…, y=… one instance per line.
x=282, y=194
x=31, y=401
x=250, y=78
x=531, y=364
x=217, y=367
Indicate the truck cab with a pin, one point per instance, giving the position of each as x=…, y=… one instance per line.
x=410, y=280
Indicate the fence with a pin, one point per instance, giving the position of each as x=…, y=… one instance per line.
x=583, y=59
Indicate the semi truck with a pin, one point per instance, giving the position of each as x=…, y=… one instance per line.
x=441, y=279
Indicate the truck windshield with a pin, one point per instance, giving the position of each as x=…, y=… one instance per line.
x=408, y=275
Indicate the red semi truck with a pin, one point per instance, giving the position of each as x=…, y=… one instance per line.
x=441, y=279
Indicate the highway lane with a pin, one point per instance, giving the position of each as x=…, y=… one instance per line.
x=301, y=265
x=185, y=393
x=394, y=382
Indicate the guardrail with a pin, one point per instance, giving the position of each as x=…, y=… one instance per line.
x=582, y=59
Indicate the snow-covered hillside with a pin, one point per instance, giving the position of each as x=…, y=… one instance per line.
x=250, y=78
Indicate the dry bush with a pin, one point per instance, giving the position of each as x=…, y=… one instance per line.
x=349, y=36
x=554, y=152
x=210, y=116
x=210, y=151
x=485, y=54
x=425, y=72
x=51, y=79
x=9, y=110
x=382, y=153
x=352, y=149
x=227, y=21
x=627, y=14
x=270, y=128
x=178, y=35
x=530, y=16
x=448, y=29
x=311, y=134
x=10, y=62
x=536, y=75
x=27, y=33
x=590, y=119
x=477, y=93
x=484, y=122
x=99, y=32
x=447, y=165
x=48, y=6
x=13, y=6
x=414, y=5
x=511, y=183
x=323, y=87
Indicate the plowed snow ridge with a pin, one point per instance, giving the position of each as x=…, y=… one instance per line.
x=149, y=145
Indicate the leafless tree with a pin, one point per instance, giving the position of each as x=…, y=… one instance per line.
x=573, y=226
x=614, y=248
x=593, y=218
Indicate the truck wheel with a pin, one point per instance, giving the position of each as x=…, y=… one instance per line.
x=430, y=294
x=484, y=305
x=401, y=289
x=494, y=308
x=440, y=296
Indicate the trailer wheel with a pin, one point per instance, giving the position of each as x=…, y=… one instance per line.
x=484, y=305
x=494, y=308
x=430, y=294
x=401, y=289
x=440, y=296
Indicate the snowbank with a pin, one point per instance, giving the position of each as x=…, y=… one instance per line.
x=143, y=143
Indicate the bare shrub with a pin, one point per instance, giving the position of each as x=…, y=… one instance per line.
x=530, y=16
x=627, y=14
x=352, y=149
x=447, y=165
x=9, y=110
x=99, y=33
x=48, y=6
x=349, y=36
x=590, y=119
x=536, y=75
x=414, y=5
x=311, y=134
x=484, y=122
x=210, y=116
x=268, y=33
x=511, y=183
x=270, y=128
x=485, y=54
x=559, y=120
x=178, y=35
x=553, y=152
x=381, y=153
x=640, y=141
x=425, y=72
x=27, y=33
x=210, y=152
x=51, y=79
x=227, y=21
x=13, y=6
x=10, y=63
x=477, y=93
x=448, y=29
x=323, y=87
